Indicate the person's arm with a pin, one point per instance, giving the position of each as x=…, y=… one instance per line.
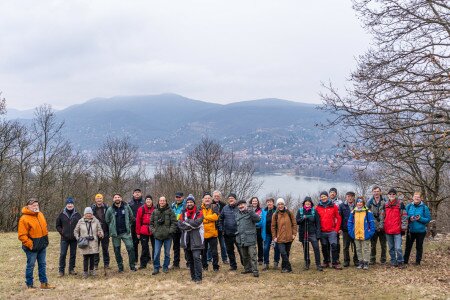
x=371, y=224
x=351, y=226
x=139, y=215
x=173, y=222
x=254, y=216
x=293, y=225
x=212, y=217
x=381, y=215
x=131, y=214
x=59, y=226
x=152, y=222
x=22, y=230
x=318, y=226
x=298, y=218
x=338, y=219
x=426, y=218
x=274, y=227
x=222, y=219
x=404, y=217
x=108, y=215
x=76, y=231
x=100, y=233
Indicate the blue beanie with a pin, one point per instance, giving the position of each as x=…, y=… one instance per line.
x=69, y=200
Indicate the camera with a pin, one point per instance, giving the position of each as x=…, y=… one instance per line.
x=161, y=221
x=90, y=238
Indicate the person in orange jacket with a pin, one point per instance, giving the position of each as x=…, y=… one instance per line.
x=210, y=217
x=33, y=233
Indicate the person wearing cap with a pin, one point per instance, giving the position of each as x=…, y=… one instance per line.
x=376, y=205
x=246, y=220
x=99, y=209
x=228, y=223
x=135, y=202
x=120, y=219
x=33, y=233
x=163, y=224
x=330, y=224
x=256, y=206
x=65, y=225
x=210, y=218
x=345, y=210
x=266, y=234
x=217, y=202
x=395, y=222
x=89, y=228
x=177, y=207
x=143, y=231
x=308, y=222
x=361, y=227
x=284, y=230
x=191, y=225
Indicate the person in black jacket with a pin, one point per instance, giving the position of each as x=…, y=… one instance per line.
x=217, y=201
x=135, y=203
x=309, y=231
x=65, y=224
x=345, y=209
x=99, y=209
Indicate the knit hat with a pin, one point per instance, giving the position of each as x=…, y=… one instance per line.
x=88, y=210
x=149, y=196
x=98, y=196
x=333, y=190
x=232, y=195
x=324, y=193
x=361, y=200
x=392, y=191
x=280, y=200
x=190, y=197
x=69, y=200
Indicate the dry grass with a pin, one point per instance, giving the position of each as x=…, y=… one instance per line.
x=431, y=280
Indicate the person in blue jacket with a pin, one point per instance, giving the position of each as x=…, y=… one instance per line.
x=418, y=218
x=266, y=234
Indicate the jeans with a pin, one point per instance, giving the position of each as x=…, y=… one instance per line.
x=363, y=250
x=285, y=249
x=395, y=248
x=329, y=240
x=64, y=247
x=210, y=247
x=145, y=255
x=156, y=259
x=195, y=263
x=267, y=243
x=378, y=235
x=104, y=242
x=250, y=258
x=315, y=244
x=40, y=256
x=88, y=262
x=135, y=242
x=223, y=247
x=419, y=237
x=230, y=242
x=128, y=241
x=349, y=243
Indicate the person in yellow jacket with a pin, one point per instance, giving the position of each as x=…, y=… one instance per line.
x=33, y=233
x=210, y=217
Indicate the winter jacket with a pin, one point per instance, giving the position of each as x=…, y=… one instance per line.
x=65, y=224
x=192, y=229
x=219, y=205
x=89, y=227
x=421, y=210
x=394, y=217
x=336, y=201
x=258, y=211
x=111, y=219
x=377, y=210
x=284, y=227
x=330, y=220
x=263, y=222
x=143, y=217
x=163, y=223
x=344, y=210
x=228, y=219
x=101, y=217
x=246, y=227
x=210, y=218
x=32, y=230
x=307, y=220
x=361, y=224
x=178, y=208
x=135, y=205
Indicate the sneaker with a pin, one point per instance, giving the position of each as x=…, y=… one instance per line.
x=92, y=273
x=165, y=270
x=255, y=274
x=61, y=274
x=31, y=288
x=275, y=266
x=232, y=269
x=266, y=267
x=366, y=266
x=46, y=286
x=72, y=272
x=175, y=267
x=225, y=262
x=216, y=269
x=306, y=267
x=359, y=266
x=133, y=269
x=393, y=265
x=337, y=266
x=246, y=272
x=85, y=275
x=346, y=264
x=325, y=265
x=286, y=271
x=319, y=268
x=401, y=266
x=155, y=272
x=260, y=263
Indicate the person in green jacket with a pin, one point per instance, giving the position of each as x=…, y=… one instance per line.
x=163, y=224
x=119, y=218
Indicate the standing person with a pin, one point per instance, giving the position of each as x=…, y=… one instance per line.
x=361, y=227
x=308, y=222
x=336, y=201
x=135, y=203
x=246, y=220
x=345, y=210
x=99, y=209
x=143, y=231
x=330, y=224
x=163, y=224
x=395, y=223
x=266, y=234
x=192, y=237
x=284, y=230
x=375, y=205
x=90, y=229
x=217, y=201
x=256, y=206
x=120, y=219
x=177, y=207
x=65, y=225
x=210, y=217
x=418, y=217
x=33, y=233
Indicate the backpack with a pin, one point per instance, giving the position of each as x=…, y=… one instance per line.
x=300, y=210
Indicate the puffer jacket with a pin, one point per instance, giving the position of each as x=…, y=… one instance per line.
x=66, y=224
x=89, y=228
x=228, y=219
x=284, y=227
x=32, y=230
x=192, y=230
x=143, y=217
x=163, y=223
x=421, y=210
x=210, y=217
x=344, y=210
x=246, y=227
x=361, y=224
x=394, y=217
x=309, y=220
x=330, y=219
x=264, y=220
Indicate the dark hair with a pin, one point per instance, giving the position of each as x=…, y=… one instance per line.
x=137, y=190
x=270, y=199
x=117, y=194
x=149, y=196
x=251, y=200
x=376, y=188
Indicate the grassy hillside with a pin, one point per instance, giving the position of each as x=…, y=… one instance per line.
x=429, y=281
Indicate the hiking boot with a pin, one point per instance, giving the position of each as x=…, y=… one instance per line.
x=319, y=268
x=92, y=273
x=225, y=262
x=275, y=265
x=85, y=275
x=360, y=265
x=31, y=288
x=306, y=267
x=260, y=263
x=61, y=274
x=165, y=270
x=346, y=264
x=417, y=263
x=175, y=267
x=337, y=266
x=286, y=271
x=246, y=272
x=266, y=267
x=133, y=269
x=155, y=272
x=72, y=272
x=232, y=269
x=46, y=286
x=325, y=265
x=255, y=274
x=393, y=265
x=216, y=269
x=142, y=267
x=401, y=266
x=366, y=266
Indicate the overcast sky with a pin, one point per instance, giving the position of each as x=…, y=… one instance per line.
x=66, y=52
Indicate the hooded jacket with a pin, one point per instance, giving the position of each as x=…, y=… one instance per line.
x=66, y=224
x=143, y=217
x=344, y=210
x=163, y=223
x=421, y=210
x=110, y=218
x=361, y=224
x=210, y=218
x=192, y=229
x=246, y=227
x=32, y=230
x=330, y=219
x=227, y=219
x=284, y=227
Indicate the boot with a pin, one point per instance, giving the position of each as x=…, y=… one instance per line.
x=266, y=267
x=61, y=274
x=46, y=286
x=366, y=266
x=92, y=273
x=275, y=266
x=337, y=266
x=85, y=275
x=72, y=272
x=319, y=268
x=306, y=267
x=360, y=265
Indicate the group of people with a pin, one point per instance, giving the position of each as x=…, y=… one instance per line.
x=237, y=226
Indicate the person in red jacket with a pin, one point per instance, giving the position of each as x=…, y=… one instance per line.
x=143, y=232
x=330, y=224
x=395, y=223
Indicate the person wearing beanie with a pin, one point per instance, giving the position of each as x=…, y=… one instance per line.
x=192, y=237
x=65, y=224
x=217, y=202
x=90, y=229
x=284, y=230
x=135, y=202
x=266, y=234
x=227, y=221
x=361, y=227
x=345, y=210
x=333, y=195
x=99, y=209
x=177, y=207
x=376, y=206
x=210, y=217
x=143, y=232
x=256, y=207
x=330, y=224
x=308, y=222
